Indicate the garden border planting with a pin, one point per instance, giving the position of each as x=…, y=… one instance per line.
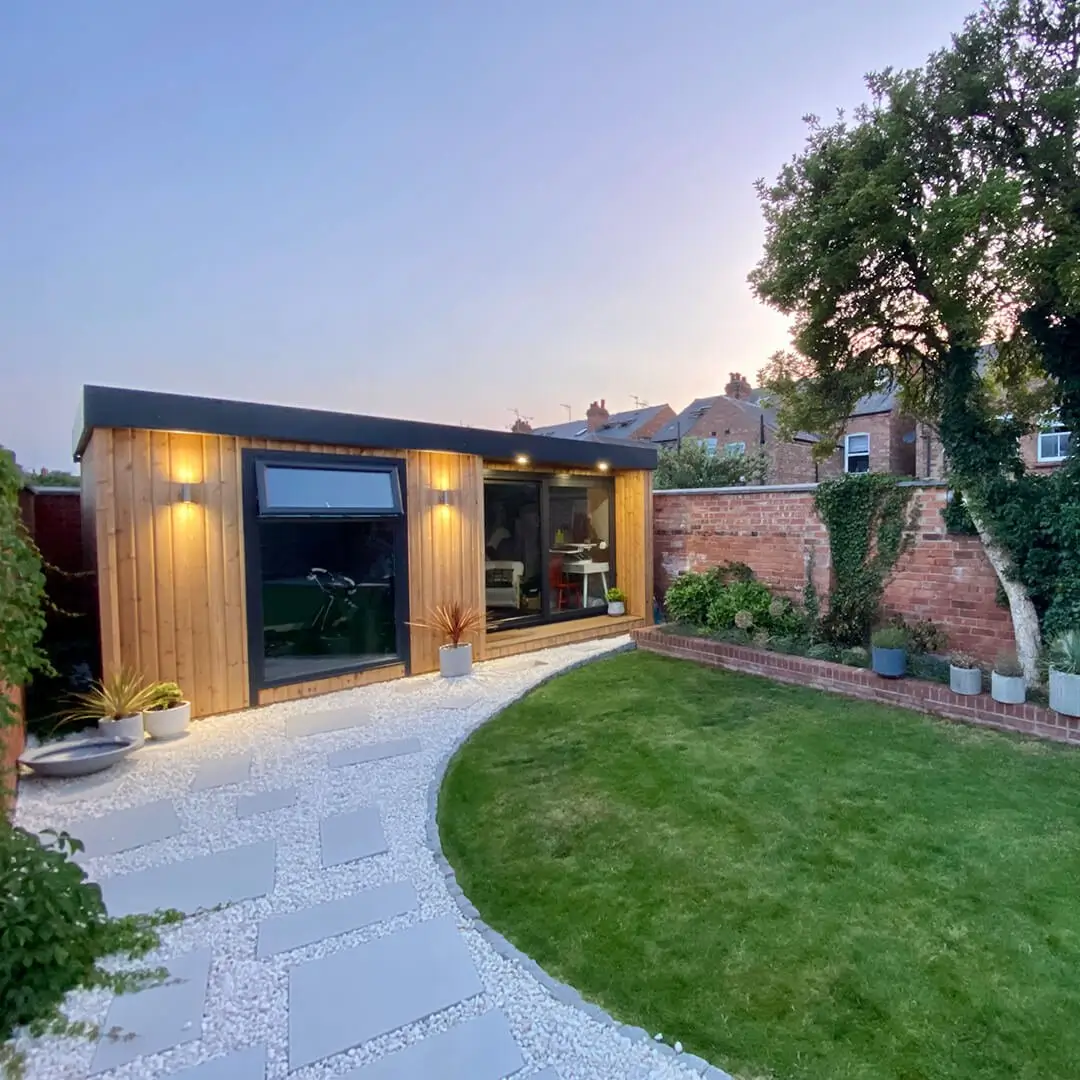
x=926, y=697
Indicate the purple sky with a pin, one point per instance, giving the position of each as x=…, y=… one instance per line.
x=434, y=210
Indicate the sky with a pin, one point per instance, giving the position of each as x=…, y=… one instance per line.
x=442, y=211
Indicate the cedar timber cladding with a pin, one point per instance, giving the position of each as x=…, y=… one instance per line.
x=171, y=574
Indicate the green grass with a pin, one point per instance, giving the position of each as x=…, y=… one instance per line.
x=795, y=885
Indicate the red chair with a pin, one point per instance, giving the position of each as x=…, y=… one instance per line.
x=562, y=588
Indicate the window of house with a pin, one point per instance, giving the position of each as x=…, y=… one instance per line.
x=857, y=453
x=710, y=446
x=1054, y=443
x=735, y=449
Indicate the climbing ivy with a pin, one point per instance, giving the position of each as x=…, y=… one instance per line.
x=870, y=526
x=22, y=592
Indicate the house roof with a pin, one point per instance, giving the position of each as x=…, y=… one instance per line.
x=875, y=403
x=620, y=425
x=113, y=407
x=752, y=406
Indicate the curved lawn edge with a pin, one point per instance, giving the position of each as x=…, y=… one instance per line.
x=559, y=990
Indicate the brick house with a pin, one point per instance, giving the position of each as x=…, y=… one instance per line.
x=640, y=423
x=1041, y=451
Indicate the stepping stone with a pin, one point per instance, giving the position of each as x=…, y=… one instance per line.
x=262, y=802
x=219, y=772
x=295, y=929
x=355, y=835
x=357, y=755
x=345, y=999
x=315, y=723
x=157, y=1018
x=203, y=882
x=249, y=1064
x=480, y=1049
x=125, y=829
x=457, y=703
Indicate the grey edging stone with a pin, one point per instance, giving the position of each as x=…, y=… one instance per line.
x=558, y=990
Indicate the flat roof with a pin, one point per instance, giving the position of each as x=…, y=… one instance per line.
x=114, y=407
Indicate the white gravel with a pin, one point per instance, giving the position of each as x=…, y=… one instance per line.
x=246, y=1000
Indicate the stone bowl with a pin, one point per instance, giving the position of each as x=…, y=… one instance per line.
x=77, y=757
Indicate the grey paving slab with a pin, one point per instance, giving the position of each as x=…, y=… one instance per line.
x=479, y=1049
x=157, y=1018
x=349, y=997
x=249, y=1064
x=298, y=928
x=546, y=1074
x=190, y=884
x=354, y=835
x=315, y=723
x=358, y=755
x=125, y=829
x=466, y=701
x=219, y=772
x=262, y=802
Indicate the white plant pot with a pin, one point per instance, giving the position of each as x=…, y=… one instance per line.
x=455, y=660
x=966, y=681
x=1008, y=689
x=127, y=727
x=616, y=607
x=1064, y=693
x=167, y=723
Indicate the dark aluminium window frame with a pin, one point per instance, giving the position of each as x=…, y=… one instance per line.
x=251, y=462
x=546, y=482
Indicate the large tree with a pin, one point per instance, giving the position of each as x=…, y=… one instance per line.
x=931, y=244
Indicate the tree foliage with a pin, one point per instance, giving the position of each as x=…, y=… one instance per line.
x=932, y=244
x=693, y=465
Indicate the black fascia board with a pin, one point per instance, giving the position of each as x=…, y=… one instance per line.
x=114, y=407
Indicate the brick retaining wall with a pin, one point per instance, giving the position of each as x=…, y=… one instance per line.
x=776, y=531
x=926, y=697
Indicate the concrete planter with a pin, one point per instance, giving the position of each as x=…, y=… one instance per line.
x=1064, y=693
x=167, y=723
x=966, y=681
x=455, y=660
x=889, y=663
x=127, y=727
x=1008, y=689
x=616, y=607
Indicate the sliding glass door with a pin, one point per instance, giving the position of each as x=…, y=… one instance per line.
x=548, y=548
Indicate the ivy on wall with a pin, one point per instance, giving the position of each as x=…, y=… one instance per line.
x=871, y=522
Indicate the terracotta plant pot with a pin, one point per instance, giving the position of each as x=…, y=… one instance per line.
x=616, y=607
x=167, y=723
x=1008, y=689
x=1064, y=693
x=889, y=663
x=965, y=681
x=455, y=660
x=127, y=727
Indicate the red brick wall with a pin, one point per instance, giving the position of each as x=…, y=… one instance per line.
x=943, y=578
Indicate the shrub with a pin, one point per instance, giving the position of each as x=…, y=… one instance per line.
x=889, y=637
x=749, y=596
x=689, y=596
x=963, y=660
x=615, y=596
x=761, y=639
x=856, y=656
x=823, y=651
x=54, y=933
x=1065, y=653
x=165, y=695
x=744, y=620
x=693, y=465
x=926, y=666
x=1008, y=664
x=924, y=635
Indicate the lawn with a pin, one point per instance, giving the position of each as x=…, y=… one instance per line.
x=794, y=885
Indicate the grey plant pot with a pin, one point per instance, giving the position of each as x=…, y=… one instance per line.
x=167, y=723
x=616, y=607
x=127, y=727
x=1064, y=693
x=1008, y=689
x=455, y=660
x=889, y=663
x=966, y=681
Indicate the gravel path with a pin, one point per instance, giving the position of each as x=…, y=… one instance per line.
x=192, y=794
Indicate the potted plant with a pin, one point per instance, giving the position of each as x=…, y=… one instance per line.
x=889, y=652
x=616, y=602
x=964, y=675
x=116, y=704
x=1065, y=674
x=454, y=621
x=1007, y=683
x=168, y=714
